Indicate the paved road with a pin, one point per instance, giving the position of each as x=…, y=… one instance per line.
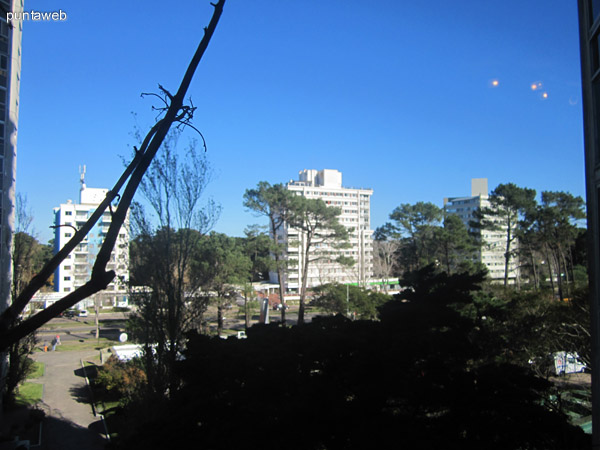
x=70, y=423
x=82, y=328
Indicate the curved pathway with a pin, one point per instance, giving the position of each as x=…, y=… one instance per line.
x=70, y=423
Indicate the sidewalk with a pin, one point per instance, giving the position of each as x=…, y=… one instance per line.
x=70, y=423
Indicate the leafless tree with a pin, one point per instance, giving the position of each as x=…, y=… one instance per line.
x=168, y=300
x=23, y=245
x=384, y=259
x=25, y=250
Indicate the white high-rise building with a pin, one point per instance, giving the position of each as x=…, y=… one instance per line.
x=355, y=204
x=76, y=269
x=10, y=74
x=494, y=242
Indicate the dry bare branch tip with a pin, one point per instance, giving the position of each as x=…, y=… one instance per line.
x=64, y=225
x=154, y=94
x=166, y=92
x=201, y=136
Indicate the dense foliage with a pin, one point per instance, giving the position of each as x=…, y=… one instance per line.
x=422, y=377
x=119, y=380
x=353, y=301
x=544, y=239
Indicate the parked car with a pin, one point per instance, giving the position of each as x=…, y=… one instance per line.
x=70, y=313
x=83, y=313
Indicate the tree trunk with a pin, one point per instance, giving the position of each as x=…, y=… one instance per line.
x=97, y=319
x=568, y=279
x=570, y=262
x=304, y=283
x=172, y=359
x=246, y=318
x=507, y=254
x=557, y=267
x=220, y=317
x=281, y=288
x=534, y=269
x=550, y=271
x=280, y=274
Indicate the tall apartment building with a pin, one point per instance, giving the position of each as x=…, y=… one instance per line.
x=494, y=242
x=76, y=269
x=589, y=38
x=10, y=73
x=355, y=205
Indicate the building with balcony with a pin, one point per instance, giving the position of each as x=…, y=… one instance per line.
x=76, y=269
x=493, y=246
x=355, y=206
x=10, y=74
x=589, y=41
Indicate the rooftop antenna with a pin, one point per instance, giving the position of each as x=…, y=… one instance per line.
x=82, y=176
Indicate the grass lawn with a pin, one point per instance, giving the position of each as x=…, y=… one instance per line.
x=29, y=393
x=107, y=407
x=71, y=324
x=84, y=322
x=38, y=370
x=88, y=344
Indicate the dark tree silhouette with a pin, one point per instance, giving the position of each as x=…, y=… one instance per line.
x=416, y=379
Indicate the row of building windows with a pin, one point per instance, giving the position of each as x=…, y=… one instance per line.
x=79, y=213
x=496, y=236
x=331, y=194
x=454, y=210
x=338, y=203
x=492, y=257
x=461, y=202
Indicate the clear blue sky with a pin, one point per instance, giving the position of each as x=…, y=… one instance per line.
x=398, y=96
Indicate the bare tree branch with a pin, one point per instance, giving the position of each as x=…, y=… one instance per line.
x=134, y=172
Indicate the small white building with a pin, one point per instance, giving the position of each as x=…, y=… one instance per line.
x=355, y=205
x=127, y=352
x=76, y=269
